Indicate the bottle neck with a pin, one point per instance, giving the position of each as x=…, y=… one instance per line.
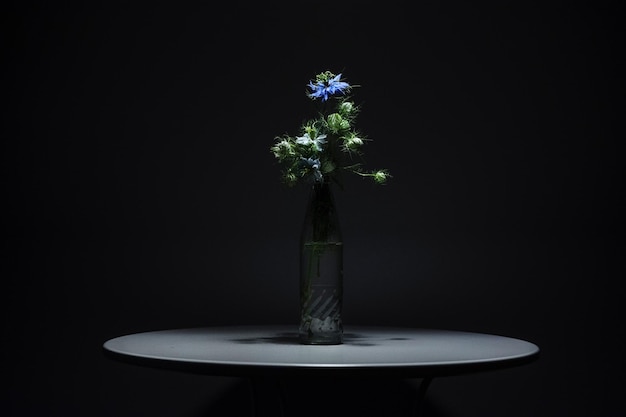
x=322, y=222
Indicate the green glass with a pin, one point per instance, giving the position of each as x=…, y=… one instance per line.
x=321, y=270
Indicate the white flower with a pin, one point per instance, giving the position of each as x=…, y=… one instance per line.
x=306, y=140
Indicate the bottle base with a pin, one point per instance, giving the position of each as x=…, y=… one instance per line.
x=321, y=340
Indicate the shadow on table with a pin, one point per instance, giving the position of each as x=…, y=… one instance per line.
x=329, y=398
x=291, y=338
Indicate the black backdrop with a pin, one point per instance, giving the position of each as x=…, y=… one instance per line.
x=140, y=193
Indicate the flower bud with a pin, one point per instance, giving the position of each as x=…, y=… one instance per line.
x=381, y=177
x=353, y=143
x=334, y=122
x=346, y=108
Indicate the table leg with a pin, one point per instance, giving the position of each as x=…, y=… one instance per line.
x=421, y=395
x=267, y=397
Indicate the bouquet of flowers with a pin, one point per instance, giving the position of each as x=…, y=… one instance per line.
x=329, y=143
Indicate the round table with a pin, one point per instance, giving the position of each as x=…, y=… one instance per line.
x=262, y=352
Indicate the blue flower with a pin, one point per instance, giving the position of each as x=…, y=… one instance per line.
x=325, y=87
x=313, y=165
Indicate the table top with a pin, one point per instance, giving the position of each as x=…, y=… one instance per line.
x=367, y=351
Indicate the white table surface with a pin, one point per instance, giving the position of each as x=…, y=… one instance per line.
x=275, y=350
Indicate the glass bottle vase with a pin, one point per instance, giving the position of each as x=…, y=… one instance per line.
x=321, y=270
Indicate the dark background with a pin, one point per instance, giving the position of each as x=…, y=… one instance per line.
x=140, y=193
